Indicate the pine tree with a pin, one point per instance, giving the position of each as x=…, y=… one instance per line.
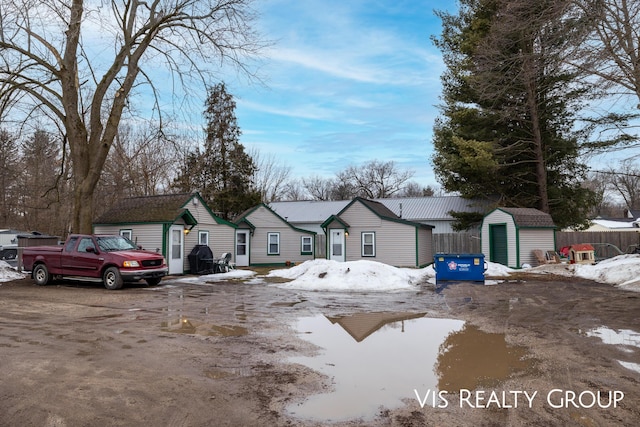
x=507, y=125
x=221, y=171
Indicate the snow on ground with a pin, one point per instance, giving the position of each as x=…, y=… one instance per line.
x=322, y=274
x=622, y=271
x=9, y=273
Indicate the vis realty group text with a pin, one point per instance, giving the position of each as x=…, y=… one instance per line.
x=506, y=399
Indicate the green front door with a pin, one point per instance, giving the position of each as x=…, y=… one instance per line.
x=498, y=244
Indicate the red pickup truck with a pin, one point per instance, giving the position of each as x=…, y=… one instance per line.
x=113, y=260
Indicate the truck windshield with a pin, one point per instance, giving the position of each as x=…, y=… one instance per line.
x=115, y=243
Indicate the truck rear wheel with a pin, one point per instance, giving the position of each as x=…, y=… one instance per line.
x=112, y=278
x=41, y=275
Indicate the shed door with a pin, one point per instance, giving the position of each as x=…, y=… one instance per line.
x=498, y=244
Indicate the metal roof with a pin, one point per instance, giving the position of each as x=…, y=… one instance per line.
x=409, y=208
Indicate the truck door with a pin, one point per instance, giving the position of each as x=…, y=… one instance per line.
x=86, y=260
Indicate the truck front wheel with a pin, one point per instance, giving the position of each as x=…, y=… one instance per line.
x=41, y=275
x=112, y=279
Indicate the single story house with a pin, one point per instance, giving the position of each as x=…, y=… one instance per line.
x=510, y=235
x=367, y=229
x=434, y=211
x=171, y=224
x=265, y=238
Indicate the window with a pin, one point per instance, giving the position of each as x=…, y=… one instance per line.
x=203, y=238
x=71, y=244
x=307, y=245
x=85, y=244
x=127, y=234
x=273, y=240
x=368, y=244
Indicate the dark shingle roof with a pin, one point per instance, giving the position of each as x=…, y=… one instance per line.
x=529, y=217
x=162, y=208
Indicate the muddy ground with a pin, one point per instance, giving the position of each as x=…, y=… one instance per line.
x=187, y=355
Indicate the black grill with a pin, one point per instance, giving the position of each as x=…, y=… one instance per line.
x=152, y=263
x=201, y=260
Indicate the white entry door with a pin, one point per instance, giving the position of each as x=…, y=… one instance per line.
x=242, y=248
x=176, y=252
x=336, y=245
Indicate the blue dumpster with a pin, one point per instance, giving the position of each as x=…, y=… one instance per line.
x=459, y=267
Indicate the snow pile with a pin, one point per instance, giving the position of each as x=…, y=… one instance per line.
x=497, y=270
x=219, y=277
x=623, y=270
x=325, y=275
x=9, y=273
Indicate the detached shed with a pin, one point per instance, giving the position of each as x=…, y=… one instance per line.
x=510, y=235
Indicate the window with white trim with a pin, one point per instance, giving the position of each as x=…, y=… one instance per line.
x=368, y=244
x=127, y=234
x=203, y=238
x=273, y=244
x=306, y=245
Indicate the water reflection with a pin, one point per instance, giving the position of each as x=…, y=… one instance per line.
x=373, y=363
x=470, y=358
x=377, y=359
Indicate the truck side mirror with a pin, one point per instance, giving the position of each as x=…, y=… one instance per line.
x=90, y=249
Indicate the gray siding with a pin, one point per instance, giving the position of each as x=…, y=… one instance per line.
x=395, y=243
x=267, y=222
x=531, y=239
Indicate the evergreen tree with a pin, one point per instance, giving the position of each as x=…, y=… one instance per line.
x=222, y=171
x=507, y=125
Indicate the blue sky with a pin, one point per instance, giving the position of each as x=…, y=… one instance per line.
x=344, y=83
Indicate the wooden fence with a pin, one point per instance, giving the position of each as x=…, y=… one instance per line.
x=466, y=242
x=623, y=240
x=457, y=243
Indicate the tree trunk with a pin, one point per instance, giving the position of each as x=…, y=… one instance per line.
x=530, y=74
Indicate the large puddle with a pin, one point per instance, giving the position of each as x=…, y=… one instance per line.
x=377, y=359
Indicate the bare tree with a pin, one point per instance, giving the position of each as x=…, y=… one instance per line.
x=80, y=63
x=375, y=179
x=295, y=190
x=612, y=50
x=41, y=166
x=9, y=172
x=319, y=188
x=270, y=177
x=625, y=180
x=140, y=163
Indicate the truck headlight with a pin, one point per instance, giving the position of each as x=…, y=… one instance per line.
x=130, y=264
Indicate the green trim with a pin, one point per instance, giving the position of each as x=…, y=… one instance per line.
x=269, y=234
x=271, y=264
x=362, y=233
x=187, y=217
x=337, y=219
x=517, y=245
x=165, y=240
x=388, y=218
x=313, y=244
x=215, y=217
x=417, y=248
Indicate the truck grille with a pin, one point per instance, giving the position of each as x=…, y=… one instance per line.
x=152, y=263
